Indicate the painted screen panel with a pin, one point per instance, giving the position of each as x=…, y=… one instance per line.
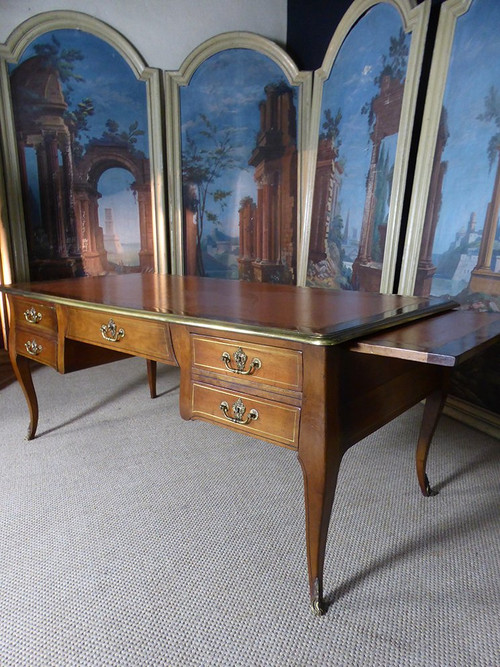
x=460, y=249
x=82, y=131
x=239, y=169
x=360, y=114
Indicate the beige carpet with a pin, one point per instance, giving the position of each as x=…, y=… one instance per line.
x=131, y=538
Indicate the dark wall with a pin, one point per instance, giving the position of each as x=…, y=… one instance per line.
x=311, y=24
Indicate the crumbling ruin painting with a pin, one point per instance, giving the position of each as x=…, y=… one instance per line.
x=82, y=135
x=360, y=116
x=239, y=169
x=460, y=248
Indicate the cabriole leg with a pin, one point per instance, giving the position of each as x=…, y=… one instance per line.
x=22, y=370
x=432, y=411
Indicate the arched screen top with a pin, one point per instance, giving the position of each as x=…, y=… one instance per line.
x=85, y=126
x=40, y=24
x=239, y=136
x=238, y=40
x=407, y=16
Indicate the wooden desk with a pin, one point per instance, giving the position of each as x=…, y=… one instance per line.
x=308, y=369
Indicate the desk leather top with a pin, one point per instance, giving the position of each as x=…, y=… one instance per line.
x=313, y=315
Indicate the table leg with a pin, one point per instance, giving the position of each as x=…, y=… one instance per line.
x=320, y=480
x=151, y=366
x=22, y=370
x=433, y=408
x=319, y=455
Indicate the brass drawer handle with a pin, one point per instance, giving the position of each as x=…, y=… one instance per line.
x=32, y=347
x=239, y=410
x=32, y=316
x=111, y=333
x=241, y=359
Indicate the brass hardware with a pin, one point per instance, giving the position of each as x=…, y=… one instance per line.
x=32, y=316
x=317, y=603
x=111, y=333
x=239, y=410
x=241, y=359
x=429, y=491
x=32, y=347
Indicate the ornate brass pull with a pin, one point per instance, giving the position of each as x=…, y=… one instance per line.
x=111, y=333
x=239, y=410
x=32, y=347
x=32, y=316
x=241, y=359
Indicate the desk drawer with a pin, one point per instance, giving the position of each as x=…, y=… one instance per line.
x=265, y=364
x=35, y=314
x=131, y=335
x=36, y=346
x=267, y=420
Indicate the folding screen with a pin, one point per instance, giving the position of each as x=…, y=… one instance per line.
x=236, y=109
x=453, y=240
x=83, y=125
x=5, y=269
x=363, y=107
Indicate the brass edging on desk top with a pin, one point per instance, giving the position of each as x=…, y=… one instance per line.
x=349, y=333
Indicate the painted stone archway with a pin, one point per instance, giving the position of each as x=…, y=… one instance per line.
x=98, y=159
x=62, y=154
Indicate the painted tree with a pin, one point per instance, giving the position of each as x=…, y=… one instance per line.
x=331, y=133
x=490, y=245
x=393, y=65
x=205, y=159
x=61, y=59
x=114, y=135
x=492, y=114
x=331, y=128
x=382, y=199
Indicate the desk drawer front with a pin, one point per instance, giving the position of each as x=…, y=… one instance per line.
x=131, y=335
x=257, y=417
x=264, y=364
x=36, y=346
x=34, y=314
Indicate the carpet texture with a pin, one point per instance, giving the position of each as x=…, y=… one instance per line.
x=131, y=538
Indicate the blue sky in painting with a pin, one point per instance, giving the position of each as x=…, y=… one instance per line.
x=351, y=85
x=117, y=94
x=108, y=80
x=474, y=68
x=227, y=88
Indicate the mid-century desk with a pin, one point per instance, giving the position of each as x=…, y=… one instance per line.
x=309, y=369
